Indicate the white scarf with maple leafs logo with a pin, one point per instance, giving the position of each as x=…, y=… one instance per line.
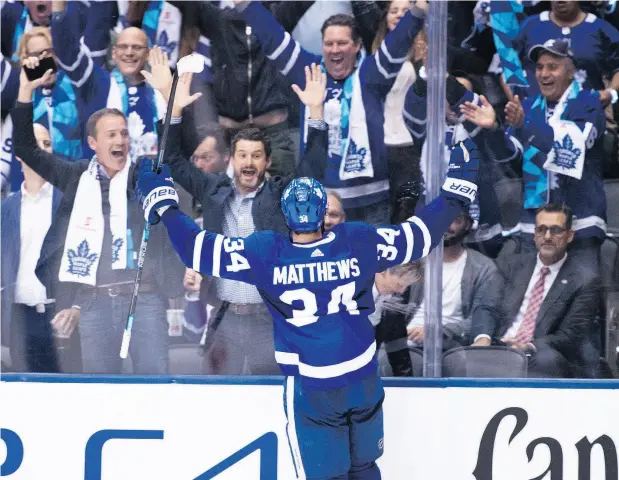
x=82, y=248
x=567, y=156
x=357, y=155
x=345, y=117
x=143, y=107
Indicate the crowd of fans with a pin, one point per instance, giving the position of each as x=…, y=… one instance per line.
x=534, y=84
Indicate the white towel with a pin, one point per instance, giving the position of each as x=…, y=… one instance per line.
x=82, y=248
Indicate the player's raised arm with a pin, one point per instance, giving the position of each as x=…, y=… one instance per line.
x=205, y=252
x=415, y=238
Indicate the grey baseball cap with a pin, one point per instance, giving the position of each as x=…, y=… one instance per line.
x=559, y=47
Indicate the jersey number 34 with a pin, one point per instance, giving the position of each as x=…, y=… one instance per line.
x=342, y=295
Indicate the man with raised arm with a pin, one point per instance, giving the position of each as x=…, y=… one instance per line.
x=317, y=286
x=353, y=107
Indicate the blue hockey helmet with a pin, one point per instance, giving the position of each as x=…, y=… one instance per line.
x=304, y=203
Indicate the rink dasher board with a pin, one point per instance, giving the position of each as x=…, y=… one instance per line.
x=231, y=428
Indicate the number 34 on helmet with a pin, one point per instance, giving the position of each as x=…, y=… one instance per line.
x=304, y=203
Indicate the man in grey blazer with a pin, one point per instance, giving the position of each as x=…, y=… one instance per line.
x=471, y=294
x=549, y=302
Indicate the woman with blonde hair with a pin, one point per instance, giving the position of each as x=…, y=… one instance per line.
x=403, y=157
x=55, y=102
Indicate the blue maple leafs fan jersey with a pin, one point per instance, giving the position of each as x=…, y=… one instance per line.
x=319, y=294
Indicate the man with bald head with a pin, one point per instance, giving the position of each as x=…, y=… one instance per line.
x=124, y=87
x=140, y=103
x=130, y=53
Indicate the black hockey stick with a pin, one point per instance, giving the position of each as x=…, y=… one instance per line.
x=190, y=63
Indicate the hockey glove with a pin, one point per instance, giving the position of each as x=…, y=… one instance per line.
x=155, y=190
x=461, y=181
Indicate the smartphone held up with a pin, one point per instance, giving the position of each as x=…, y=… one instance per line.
x=45, y=64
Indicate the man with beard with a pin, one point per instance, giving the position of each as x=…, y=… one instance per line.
x=471, y=285
x=356, y=90
x=240, y=334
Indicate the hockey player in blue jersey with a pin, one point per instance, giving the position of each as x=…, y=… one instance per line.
x=318, y=287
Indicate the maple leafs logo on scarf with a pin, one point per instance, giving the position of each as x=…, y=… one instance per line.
x=81, y=261
x=355, y=159
x=164, y=43
x=566, y=154
x=116, y=246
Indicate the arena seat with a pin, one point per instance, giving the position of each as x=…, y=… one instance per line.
x=610, y=317
x=611, y=190
x=485, y=362
x=384, y=368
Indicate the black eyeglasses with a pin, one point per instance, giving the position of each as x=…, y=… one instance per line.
x=554, y=230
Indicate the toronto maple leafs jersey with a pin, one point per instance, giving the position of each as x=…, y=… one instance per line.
x=593, y=42
x=362, y=179
x=320, y=293
x=585, y=196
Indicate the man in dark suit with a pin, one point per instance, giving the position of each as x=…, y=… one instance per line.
x=27, y=311
x=549, y=302
x=88, y=258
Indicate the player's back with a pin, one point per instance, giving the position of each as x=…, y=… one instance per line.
x=320, y=296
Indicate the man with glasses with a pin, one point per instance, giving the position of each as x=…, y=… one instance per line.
x=211, y=154
x=549, y=302
x=124, y=87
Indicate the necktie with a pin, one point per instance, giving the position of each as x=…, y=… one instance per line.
x=525, y=333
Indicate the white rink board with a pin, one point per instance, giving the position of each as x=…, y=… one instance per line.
x=430, y=433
